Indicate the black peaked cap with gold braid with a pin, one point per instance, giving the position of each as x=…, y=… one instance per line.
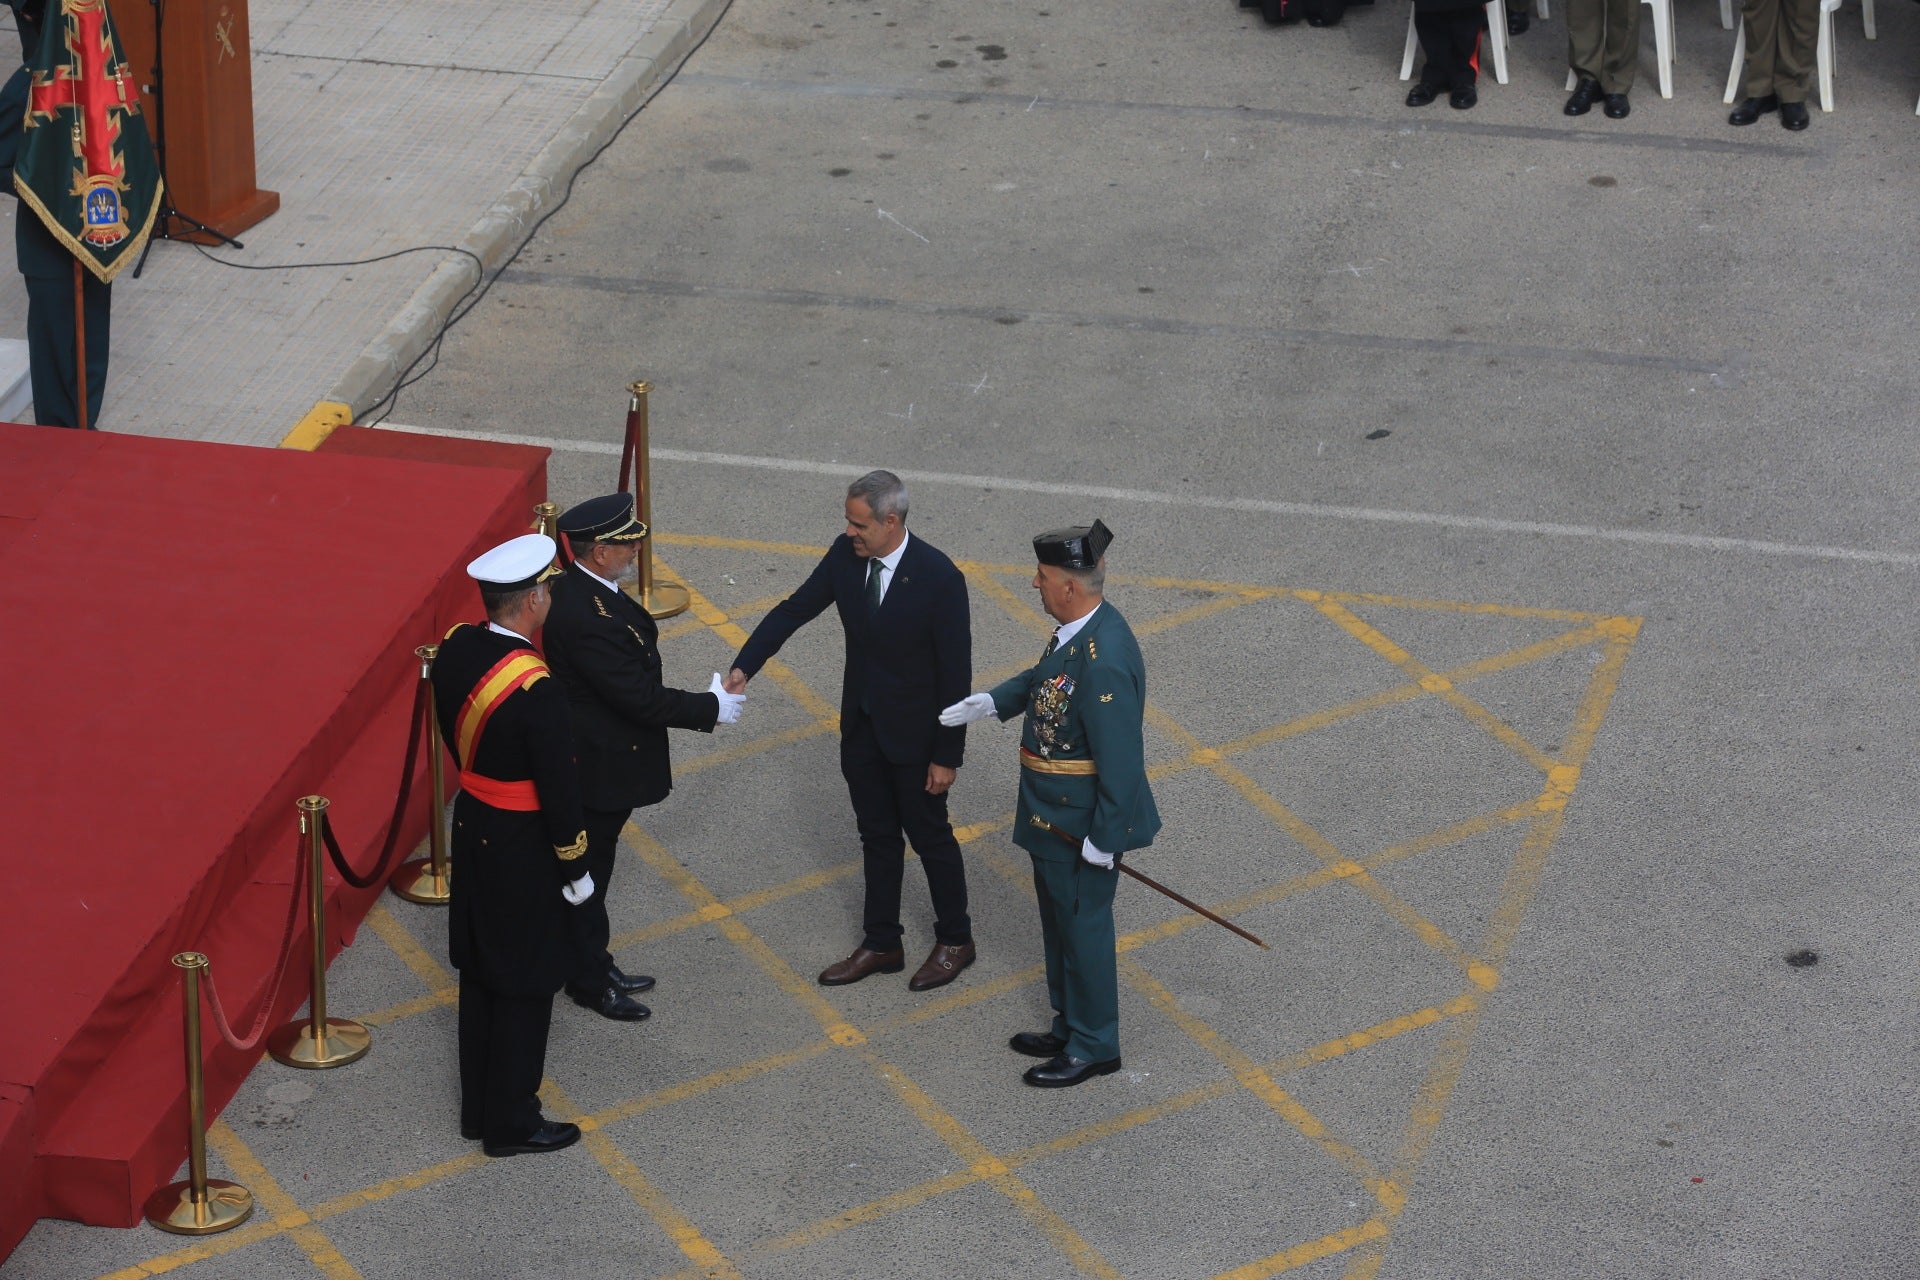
x=608, y=519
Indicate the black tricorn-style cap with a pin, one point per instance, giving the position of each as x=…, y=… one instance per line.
x=607, y=519
x=1077, y=548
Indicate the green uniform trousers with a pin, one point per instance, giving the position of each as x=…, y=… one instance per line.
x=1076, y=928
x=1781, y=39
x=1603, y=42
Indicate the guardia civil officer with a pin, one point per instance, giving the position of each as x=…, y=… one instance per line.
x=1082, y=776
x=605, y=649
x=518, y=843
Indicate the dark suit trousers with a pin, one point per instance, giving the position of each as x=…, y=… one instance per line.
x=890, y=800
x=1451, y=39
x=503, y=1054
x=587, y=923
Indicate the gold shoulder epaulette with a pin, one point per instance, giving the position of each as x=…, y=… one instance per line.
x=450, y=630
x=568, y=852
x=1093, y=654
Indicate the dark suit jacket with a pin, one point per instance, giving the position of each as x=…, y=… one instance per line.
x=604, y=649
x=507, y=925
x=912, y=658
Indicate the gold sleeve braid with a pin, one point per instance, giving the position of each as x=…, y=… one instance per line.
x=568, y=852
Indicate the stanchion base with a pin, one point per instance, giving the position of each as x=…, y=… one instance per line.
x=343, y=1042
x=665, y=600
x=172, y=1208
x=416, y=882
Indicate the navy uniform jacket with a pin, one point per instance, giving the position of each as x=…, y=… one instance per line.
x=1084, y=704
x=912, y=658
x=507, y=925
x=604, y=649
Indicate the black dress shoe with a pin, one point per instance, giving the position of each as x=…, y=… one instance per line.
x=1462, y=99
x=552, y=1135
x=1581, y=100
x=1422, y=93
x=629, y=984
x=609, y=1003
x=1793, y=115
x=1616, y=106
x=1751, y=109
x=1064, y=1070
x=1037, y=1044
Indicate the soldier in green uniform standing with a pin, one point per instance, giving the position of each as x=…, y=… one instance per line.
x=47, y=266
x=1084, y=799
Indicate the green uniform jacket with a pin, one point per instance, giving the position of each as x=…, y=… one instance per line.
x=1084, y=702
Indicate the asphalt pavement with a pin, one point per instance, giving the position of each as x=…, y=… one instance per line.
x=1515, y=513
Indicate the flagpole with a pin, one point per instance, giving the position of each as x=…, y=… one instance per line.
x=80, y=340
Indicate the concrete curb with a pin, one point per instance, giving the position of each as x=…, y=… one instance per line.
x=498, y=232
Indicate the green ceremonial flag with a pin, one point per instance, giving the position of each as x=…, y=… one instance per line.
x=86, y=164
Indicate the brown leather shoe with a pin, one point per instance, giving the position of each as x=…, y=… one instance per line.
x=943, y=965
x=862, y=963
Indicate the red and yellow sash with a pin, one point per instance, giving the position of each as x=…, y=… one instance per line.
x=518, y=670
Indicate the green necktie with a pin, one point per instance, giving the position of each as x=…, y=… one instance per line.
x=874, y=570
x=1053, y=642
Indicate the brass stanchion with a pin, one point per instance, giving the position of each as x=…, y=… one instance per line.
x=320, y=1041
x=430, y=879
x=546, y=519
x=661, y=599
x=201, y=1205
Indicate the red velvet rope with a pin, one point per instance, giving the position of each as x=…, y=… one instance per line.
x=251, y=1040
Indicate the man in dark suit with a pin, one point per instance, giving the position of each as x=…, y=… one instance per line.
x=605, y=650
x=903, y=606
x=519, y=844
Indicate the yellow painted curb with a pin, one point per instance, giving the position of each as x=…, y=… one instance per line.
x=311, y=431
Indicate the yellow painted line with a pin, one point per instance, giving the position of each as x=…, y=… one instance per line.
x=313, y=429
x=1347, y=871
x=407, y=947
x=408, y=1008
x=394, y=1186
x=1435, y=683
x=757, y=746
x=716, y=619
x=1454, y=606
x=1258, y=1082
x=1022, y=612
x=706, y=1084
x=1205, y=609
x=958, y=997
x=1523, y=879
x=872, y=1211
x=640, y=1189
x=751, y=609
x=1312, y=1251
x=207, y=1247
x=299, y=1226
x=974, y=831
x=993, y=1170
x=671, y=870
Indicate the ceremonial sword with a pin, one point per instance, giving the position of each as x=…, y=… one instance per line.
x=1153, y=884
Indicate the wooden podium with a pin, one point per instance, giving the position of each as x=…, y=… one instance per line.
x=202, y=122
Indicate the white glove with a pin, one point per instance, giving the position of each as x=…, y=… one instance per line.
x=1093, y=855
x=580, y=890
x=975, y=706
x=729, y=702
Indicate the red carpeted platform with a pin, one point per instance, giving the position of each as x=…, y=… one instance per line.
x=196, y=635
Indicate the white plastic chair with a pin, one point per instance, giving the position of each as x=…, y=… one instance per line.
x=1496, y=32
x=1662, y=45
x=1822, y=55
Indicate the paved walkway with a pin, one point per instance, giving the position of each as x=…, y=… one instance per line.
x=384, y=127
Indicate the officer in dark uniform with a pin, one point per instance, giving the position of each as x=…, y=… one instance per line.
x=604, y=648
x=1083, y=775
x=519, y=847
x=47, y=266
